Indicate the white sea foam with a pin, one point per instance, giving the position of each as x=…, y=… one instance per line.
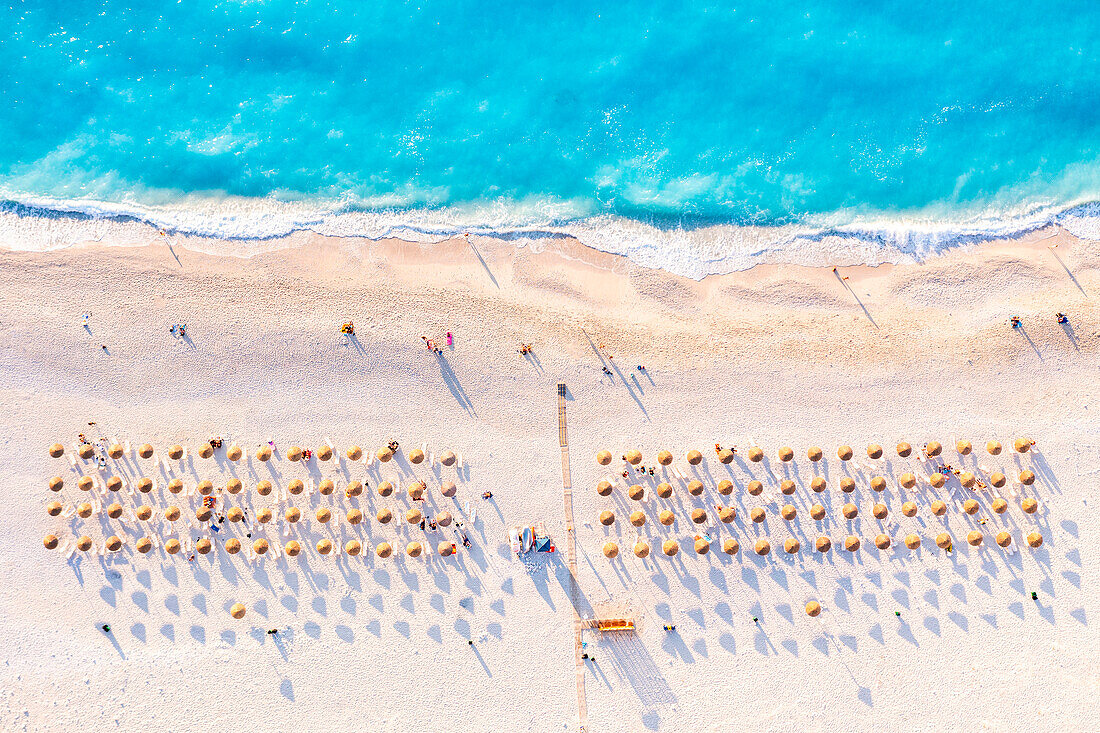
x=244, y=227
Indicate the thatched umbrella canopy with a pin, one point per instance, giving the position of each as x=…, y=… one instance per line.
x=904, y=449
x=234, y=453
x=114, y=544
x=937, y=480
x=413, y=549
x=1000, y=506
x=971, y=506
x=237, y=610
x=813, y=608
x=446, y=549
x=912, y=541
x=702, y=547
x=756, y=454
x=144, y=545
x=791, y=546
x=115, y=451
x=907, y=481
x=943, y=540
x=292, y=548
x=997, y=480
x=755, y=488
x=882, y=542
x=385, y=488
x=637, y=518
x=294, y=453
x=324, y=453
x=203, y=546
x=730, y=546
x=844, y=453
x=847, y=484
x=206, y=450
x=786, y=454
x=787, y=487
x=851, y=543
x=172, y=513
x=54, y=508
x=641, y=548
x=263, y=453
x=874, y=451
x=145, y=485
x=788, y=512
x=610, y=550
x=1029, y=505
x=114, y=511
x=694, y=457
x=666, y=517
x=326, y=487
x=938, y=508
x=698, y=516
x=1035, y=539
x=145, y=450
x=355, y=453
x=352, y=547
x=234, y=486
x=324, y=546
x=172, y=547
x=259, y=546
x=974, y=538
x=443, y=519
x=604, y=458
x=86, y=450
x=727, y=514
x=145, y=512
x=203, y=513
x=416, y=490
x=664, y=458
x=909, y=509
x=664, y=490
x=383, y=550
x=354, y=516
x=384, y=516
x=725, y=456
x=818, y=484
x=636, y=492
x=967, y=479
x=670, y=547
x=878, y=483
x=175, y=452
x=263, y=488
x=1027, y=478
x=114, y=483
x=993, y=448
x=633, y=457
x=762, y=547
x=757, y=514
x=448, y=458
x=354, y=488
x=296, y=486
x=232, y=545
x=604, y=488
x=84, y=510
x=323, y=515
x=850, y=511
x=1022, y=445
x=817, y=512
x=206, y=488
x=449, y=489
x=384, y=454
x=695, y=487
x=879, y=511
x=725, y=487
x=293, y=514
x=1004, y=539
x=607, y=517
x=264, y=515
x=416, y=456
x=84, y=543
x=413, y=516
x=932, y=449
x=85, y=483
x=814, y=454
x=963, y=447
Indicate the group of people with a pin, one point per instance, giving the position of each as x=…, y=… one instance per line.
x=1062, y=319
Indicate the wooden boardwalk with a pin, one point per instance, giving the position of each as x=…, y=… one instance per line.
x=571, y=549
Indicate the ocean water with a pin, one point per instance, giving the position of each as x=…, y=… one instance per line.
x=696, y=136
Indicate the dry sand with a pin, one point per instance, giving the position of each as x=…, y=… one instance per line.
x=775, y=356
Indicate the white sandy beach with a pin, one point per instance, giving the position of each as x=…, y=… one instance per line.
x=775, y=356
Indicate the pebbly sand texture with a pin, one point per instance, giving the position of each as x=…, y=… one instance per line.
x=776, y=356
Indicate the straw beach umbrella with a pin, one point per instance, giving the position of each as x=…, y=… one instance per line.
x=172, y=513
x=384, y=455
x=818, y=484
x=86, y=451
x=53, y=508
x=937, y=480
x=144, y=512
x=633, y=457
x=844, y=453
x=263, y=488
x=416, y=490
x=263, y=453
x=84, y=510
x=354, y=488
x=355, y=453
x=967, y=479
x=260, y=546
x=292, y=548
x=909, y=509
x=997, y=480
x=237, y=611
x=851, y=543
x=963, y=447
x=175, y=486
x=603, y=458
x=823, y=544
x=446, y=549
x=813, y=608
x=664, y=490
x=882, y=542
x=1035, y=539
x=413, y=516
x=756, y=454
x=636, y=492
x=786, y=454
x=817, y=512
x=115, y=451
x=699, y=516
x=847, y=484
x=791, y=546
x=702, y=547
x=114, y=483
x=1030, y=506
x=449, y=489
x=762, y=547
x=324, y=453
x=416, y=456
x=114, y=511
x=787, y=487
x=324, y=546
x=264, y=515
x=1027, y=478
x=292, y=514
x=1000, y=506
x=971, y=506
x=203, y=546
x=1004, y=539
x=323, y=515
x=203, y=513
x=85, y=483
x=145, y=450
x=850, y=511
x=912, y=541
x=878, y=483
x=974, y=538
x=448, y=458
x=904, y=449
x=1022, y=445
x=175, y=452
x=384, y=516
x=666, y=517
x=814, y=454
x=879, y=511
x=172, y=547
x=145, y=485
x=234, y=486
x=413, y=549
x=326, y=487
x=730, y=546
x=232, y=545
x=206, y=450
x=755, y=488
x=932, y=449
x=352, y=547
x=385, y=489
x=637, y=518
x=607, y=517
x=383, y=550
x=694, y=457
x=114, y=544
x=670, y=547
x=294, y=453
x=874, y=451
x=296, y=486
x=725, y=487
x=641, y=549
x=354, y=516
x=757, y=514
x=943, y=540
x=206, y=488
x=610, y=550
x=84, y=543
x=664, y=458
x=695, y=487
x=727, y=514
x=144, y=545
x=725, y=456
x=788, y=512
x=993, y=448
x=234, y=453
x=443, y=519
x=907, y=481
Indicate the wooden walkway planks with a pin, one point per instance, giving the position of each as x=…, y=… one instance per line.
x=571, y=549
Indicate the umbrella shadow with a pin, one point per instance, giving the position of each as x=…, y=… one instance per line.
x=633, y=662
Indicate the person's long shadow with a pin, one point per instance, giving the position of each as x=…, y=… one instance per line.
x=451, y=380
x=1071, y=335
x=1023, y=332
x=491, y=275
x=848, y=287
x=354, y=341
x=1071, y=276
x=534, y=361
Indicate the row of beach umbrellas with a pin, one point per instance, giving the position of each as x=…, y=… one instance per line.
x=236, y=514
x=415, y=490
x=263, y=453
x=204, y=546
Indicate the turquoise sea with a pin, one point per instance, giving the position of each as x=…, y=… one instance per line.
x=657, y=129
